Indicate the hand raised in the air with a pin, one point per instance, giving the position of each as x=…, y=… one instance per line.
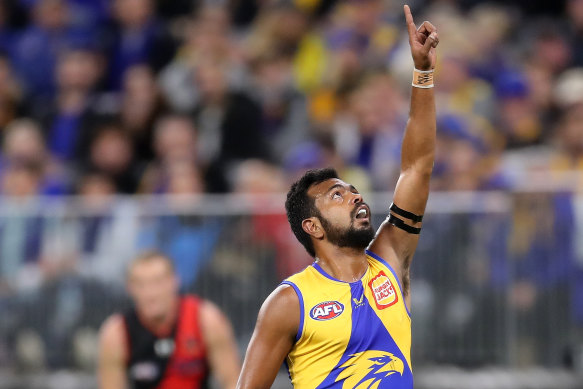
x=423, y=41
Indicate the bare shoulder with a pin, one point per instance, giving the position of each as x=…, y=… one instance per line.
x=211, y=316
x=113, y=327
x=283, y=297
x=281, y=309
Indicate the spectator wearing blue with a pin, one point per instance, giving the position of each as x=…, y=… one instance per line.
x=90, y=12
x=466, y=159
x=189, y=239
x=20, y=236
x=517, y=117
x=68, y=118
x=8, y=16
x=37, y=51
x=535, y=268
x=136, y=37
x=370, y=135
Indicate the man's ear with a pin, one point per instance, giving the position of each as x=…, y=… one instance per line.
x=313, y=227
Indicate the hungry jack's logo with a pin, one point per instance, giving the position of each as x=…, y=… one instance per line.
x=383, y=291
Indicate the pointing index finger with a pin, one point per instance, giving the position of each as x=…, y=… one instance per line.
x=410, y=23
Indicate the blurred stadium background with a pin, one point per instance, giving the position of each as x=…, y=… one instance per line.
x=179, y=124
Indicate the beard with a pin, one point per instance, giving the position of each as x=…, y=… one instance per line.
x=351, y=237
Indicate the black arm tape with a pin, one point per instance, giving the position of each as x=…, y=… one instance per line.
x=402, y=225
x=406, y=214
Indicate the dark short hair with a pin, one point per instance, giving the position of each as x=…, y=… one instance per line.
x=300, y=206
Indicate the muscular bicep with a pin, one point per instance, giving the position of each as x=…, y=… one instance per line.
x=412, y=191
x=219, y=339
x=397, y=239
x=112, y=355
x=273, y=338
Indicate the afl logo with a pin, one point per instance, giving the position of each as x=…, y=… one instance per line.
x=327, y=310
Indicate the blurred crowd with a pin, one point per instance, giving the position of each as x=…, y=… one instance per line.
x=183, y=97
x=154, y=97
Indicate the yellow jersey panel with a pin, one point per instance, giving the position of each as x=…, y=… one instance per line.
x=351, y=335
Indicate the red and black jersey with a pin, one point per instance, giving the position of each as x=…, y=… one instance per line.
x=176, y=361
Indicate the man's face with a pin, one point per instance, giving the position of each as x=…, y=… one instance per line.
x=153, y=287
x=345, y=218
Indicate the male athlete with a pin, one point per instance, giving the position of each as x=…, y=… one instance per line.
x=344, y=322
x=167, y=341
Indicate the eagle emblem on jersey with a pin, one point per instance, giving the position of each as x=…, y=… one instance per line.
x=383, y=291
x=368, y=369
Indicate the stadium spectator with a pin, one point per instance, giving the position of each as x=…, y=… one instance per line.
x=208, y=36
x=569, y=153
x=69, y=115
x=270, y=231
x=189, y=239
x=228, y=122
x=537, y=271
x=23, y=143
x=112, y=154
x=37, y=50
x=11, y=94
x=107, y=235
x=174, y=142
x=574, y=10
x=141, y=105
x=285, y=119
x=369, y=134
x=92, y=13
x=465, y=159
x=20, y=235
x=7, y=34
x=517, y=117
x=136, y=37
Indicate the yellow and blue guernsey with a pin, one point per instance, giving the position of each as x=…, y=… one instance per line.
x=351, y=334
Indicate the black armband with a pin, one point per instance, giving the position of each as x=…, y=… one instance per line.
x=404, y=226
x=406, y=214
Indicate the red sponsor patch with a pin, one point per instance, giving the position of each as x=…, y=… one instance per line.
x=326, y=310
x=383, y=291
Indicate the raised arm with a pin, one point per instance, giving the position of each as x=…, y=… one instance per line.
x=272, y=340
x=397, y=237
x=218, y=336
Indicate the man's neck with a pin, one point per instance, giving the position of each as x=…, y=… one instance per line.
x=162, y=325
x=343, y=263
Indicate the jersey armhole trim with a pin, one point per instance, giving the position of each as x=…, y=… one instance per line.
x=381, y=260
x=301, y=300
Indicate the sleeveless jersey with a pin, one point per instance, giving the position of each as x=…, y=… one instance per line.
x=177, y=361
x=351, y=335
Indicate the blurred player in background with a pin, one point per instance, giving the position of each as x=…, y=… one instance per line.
x=166, y=341
x=344, y=321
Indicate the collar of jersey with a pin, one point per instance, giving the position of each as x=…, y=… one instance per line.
x=317, y=266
